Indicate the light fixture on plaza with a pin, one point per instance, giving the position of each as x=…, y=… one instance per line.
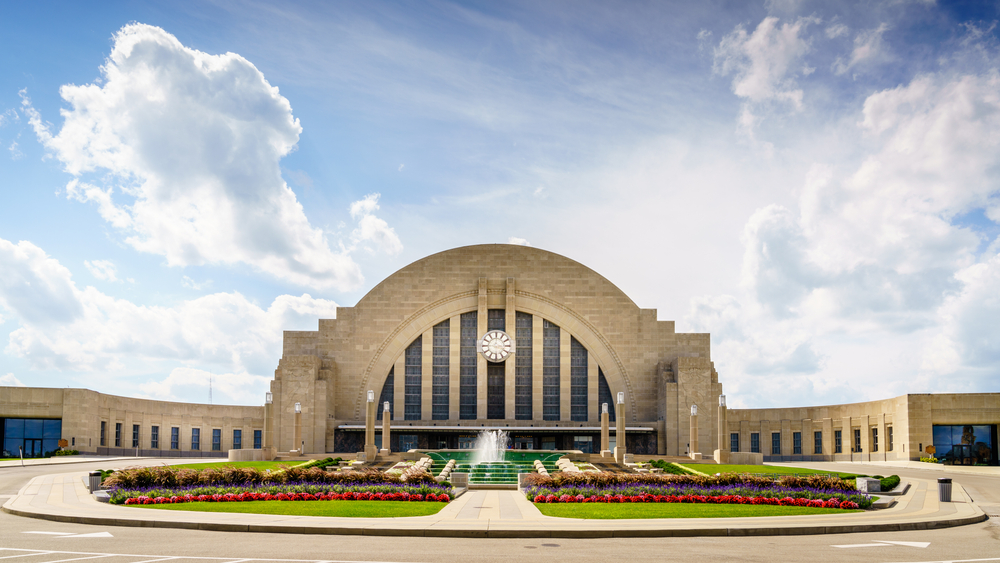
x=385, y=406
x=694, y=410
x=371, y=396
x=268, y=398
x=621, y=397
x=604, y=408
x=298, y=408
x=722, y=400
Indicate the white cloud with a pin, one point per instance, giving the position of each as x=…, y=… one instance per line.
x=371, y=229
x=969, y=334
x=874, y=252
x=8, y=116
x=837, y=30
x=102, y=269
x=764, y=62
x=65, y=327
x=519, y=241
x=186, y=383
x=191, y=284
x=10, y=381
x=191, y=144
x=868, y=48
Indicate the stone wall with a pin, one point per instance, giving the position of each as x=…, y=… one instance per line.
x=83, y=410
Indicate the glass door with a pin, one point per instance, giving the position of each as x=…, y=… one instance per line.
x=33, y=448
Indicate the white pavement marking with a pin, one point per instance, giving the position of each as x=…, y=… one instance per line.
x=157, y=560
x=80, y=558
x=907, y=543
x=51, y=533
x=93, y=535
x=26, y=554
x=884, y=543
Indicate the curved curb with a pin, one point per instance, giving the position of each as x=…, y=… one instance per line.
x=508, y=533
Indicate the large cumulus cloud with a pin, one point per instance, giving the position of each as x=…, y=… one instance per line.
x=180, y=150
x=65, y=327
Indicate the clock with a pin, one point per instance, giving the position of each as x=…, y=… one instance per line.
x=496, y=346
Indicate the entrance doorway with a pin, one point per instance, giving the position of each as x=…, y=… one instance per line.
x=33, y=448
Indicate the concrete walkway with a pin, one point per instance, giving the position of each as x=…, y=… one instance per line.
x=492, y=513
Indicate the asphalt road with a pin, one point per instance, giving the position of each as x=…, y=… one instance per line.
x=28, y=540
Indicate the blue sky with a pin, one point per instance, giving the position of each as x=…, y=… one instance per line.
x=814, y=183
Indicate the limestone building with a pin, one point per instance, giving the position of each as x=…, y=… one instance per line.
x=501, y=336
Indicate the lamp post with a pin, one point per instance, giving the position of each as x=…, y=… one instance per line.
x=297, y=442
x=605, y=437
x=370, y=450
x=620, y=428
x=386, y=415
x=267, y=440
x=722, y=454
x=693, y=451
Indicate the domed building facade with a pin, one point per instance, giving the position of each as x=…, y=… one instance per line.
x=566, y=342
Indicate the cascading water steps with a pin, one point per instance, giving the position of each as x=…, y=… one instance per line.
x=491, y=463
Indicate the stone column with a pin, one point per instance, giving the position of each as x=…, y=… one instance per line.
x=722, y=454
x=370, y=450
x=620, y=428
x=297, y=436
x=693, y=448
x=605, y=434
x=386, y=416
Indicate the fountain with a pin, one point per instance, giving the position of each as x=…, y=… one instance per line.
x=491, y=464
x=491, y=446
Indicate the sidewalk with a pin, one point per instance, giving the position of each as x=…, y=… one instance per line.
x=494, y=514
x=70, y=459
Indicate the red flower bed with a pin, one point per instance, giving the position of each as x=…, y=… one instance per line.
x=723, y=499
x=243, y=497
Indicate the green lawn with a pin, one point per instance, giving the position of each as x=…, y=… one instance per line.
x=712, y=469
x=602, y=511
x=262, y=465
x=341, y=508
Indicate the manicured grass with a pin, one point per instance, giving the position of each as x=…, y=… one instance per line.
x=262, y=465
x=340, y=508
x=712, y=469
x=602, y=511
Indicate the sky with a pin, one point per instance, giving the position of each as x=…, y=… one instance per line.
x=816, y=184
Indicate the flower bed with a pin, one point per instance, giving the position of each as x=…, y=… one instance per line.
x=210, y=485
x=288, y=491
x=816, y=491
x=720, y=499
x=245, y=497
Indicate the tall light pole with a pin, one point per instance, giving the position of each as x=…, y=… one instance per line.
x=605, y=434
x=370, y=450
x=722, y=454
x=386, y=416
x=693, y=446
x=298, y=429
x=620, y=428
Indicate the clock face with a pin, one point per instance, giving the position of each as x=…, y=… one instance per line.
x=496, y=345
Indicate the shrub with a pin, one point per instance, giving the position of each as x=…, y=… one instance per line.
x=889, y=483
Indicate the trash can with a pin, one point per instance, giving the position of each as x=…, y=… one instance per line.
x=944, y=489
x=94, y=482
